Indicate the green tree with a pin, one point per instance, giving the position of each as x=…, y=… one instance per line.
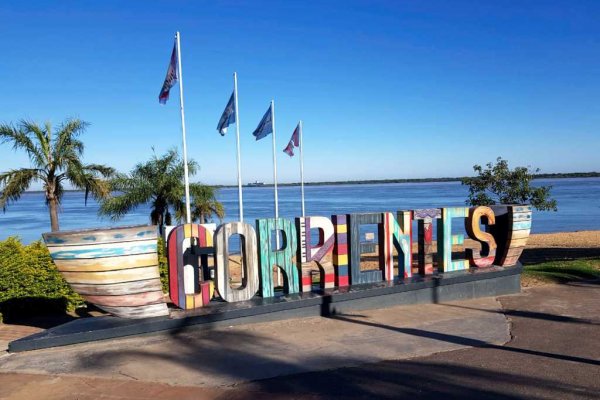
x=56, y=159
x=498, y=184
x=158, y=182
x=204, y=204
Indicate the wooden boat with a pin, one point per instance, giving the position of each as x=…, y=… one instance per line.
x=512, y=229
x=115, y=269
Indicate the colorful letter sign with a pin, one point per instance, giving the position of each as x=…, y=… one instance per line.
x=189, y=286
x=117, y=269
x=320, y=253
x=488, y=243
x=281, y=258
x=249, y=262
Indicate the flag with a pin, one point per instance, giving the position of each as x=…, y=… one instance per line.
x=289, y=149
x=265, y=126
x=171, y=77
x=295, y=136
x=294, y=142
x=228, y=116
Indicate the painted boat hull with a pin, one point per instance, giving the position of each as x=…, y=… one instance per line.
x=116, y=269
x=512, y=229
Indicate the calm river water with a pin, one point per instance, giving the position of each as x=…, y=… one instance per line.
x=578, y=205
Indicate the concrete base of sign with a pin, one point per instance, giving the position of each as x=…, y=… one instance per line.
x=462, y=285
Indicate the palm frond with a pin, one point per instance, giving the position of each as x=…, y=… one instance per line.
x=21, y=141
x=42, y=136
x=158, y=181
x=133, y=194
x=100, y=169
x=13, y=183
x=205, y=203
x=66, y=146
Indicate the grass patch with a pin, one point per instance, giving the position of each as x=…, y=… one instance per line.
x=561, y=271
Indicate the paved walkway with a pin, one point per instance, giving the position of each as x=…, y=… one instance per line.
x=233, y=355
x=554, y=353
x=9, y=332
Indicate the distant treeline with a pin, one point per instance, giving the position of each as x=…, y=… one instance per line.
x=414, y=180
x=425, y=180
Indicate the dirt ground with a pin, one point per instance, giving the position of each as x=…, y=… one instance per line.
x=580, y=239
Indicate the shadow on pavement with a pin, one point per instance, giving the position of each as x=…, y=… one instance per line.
x=532, y=314
x=409, y=379
x=544, y=254
x=465, y=341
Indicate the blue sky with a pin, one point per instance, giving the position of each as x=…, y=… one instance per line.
x=386, y=89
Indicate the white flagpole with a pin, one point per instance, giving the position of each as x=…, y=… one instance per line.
x=185, y=163
x=275, y=184
x=274, y=163
x=301, y=169
x=237, y=133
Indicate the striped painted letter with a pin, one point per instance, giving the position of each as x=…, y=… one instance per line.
x=320, y=254
x=397, y=236
x=356, y=248
x=199, y=288
x=425, y=219
x=488, y=243
x=281, y=258
x=445, y=240
x=340, y=250
x=250, y=280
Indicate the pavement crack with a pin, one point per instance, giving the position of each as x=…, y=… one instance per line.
x=129, y=376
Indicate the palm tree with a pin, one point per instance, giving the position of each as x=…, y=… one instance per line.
x=159, y=182
x=204, y=204
x=56, y=158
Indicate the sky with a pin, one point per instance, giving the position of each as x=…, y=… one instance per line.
x=385, y=89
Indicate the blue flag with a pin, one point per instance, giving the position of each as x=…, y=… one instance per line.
x=265, y=126
x=228, y=116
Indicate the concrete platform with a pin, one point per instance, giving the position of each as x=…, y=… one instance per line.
x=468, y=284
x=230, y=355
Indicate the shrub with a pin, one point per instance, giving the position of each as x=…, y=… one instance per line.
x=30, y=282
x=162, y=264
x=498, y=184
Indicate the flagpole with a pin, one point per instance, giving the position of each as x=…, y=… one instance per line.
x=274, y=164
x=301, y=170
x=237, y=133
x=185, y=162
x=275, y=184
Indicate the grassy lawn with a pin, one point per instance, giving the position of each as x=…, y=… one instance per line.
x=561, y=271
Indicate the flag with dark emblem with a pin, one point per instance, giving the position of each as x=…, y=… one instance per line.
x=170, y=79
x=265, y=126
x=228, y=116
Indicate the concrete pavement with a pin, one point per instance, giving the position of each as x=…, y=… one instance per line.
x=233, y=355
x=554, y=353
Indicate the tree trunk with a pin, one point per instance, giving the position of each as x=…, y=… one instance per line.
x=53, y=207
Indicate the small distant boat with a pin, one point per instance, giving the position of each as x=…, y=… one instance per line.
x=256, y=183
x=116, y=269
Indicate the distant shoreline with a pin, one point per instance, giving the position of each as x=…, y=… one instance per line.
x=417, y=180
x=384, y=181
